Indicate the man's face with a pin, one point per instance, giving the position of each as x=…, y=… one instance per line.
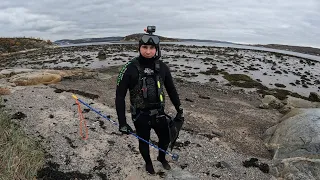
x=148, y=51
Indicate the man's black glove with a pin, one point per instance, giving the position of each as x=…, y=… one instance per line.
x=125, y=129
x=179, y=116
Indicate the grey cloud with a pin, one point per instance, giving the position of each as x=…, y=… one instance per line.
x=249, y=21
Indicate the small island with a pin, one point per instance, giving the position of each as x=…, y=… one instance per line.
x=15, y=44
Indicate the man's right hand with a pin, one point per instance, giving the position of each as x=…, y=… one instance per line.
x=179, y=116
x=125, y=129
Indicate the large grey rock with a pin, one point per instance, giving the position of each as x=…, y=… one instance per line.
x=296, y=136
x=295, y=142
x=178, y=173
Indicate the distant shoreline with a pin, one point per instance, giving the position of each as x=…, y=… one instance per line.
x=301, y=49
x=134, y=38
x=212, y=44
x=297, y=51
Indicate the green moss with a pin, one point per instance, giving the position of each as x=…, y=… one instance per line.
x=280, y=93
x=246, y=84
x=242, y=80
x=237, y=77
x=212, y=71
x=224, y=73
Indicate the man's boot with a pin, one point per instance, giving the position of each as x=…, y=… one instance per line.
x=164, y=163
x=149, y=168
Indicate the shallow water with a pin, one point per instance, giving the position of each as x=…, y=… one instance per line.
x=187, y=63
x=312, y=57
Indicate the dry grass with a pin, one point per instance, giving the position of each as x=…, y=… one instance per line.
x=20, y=156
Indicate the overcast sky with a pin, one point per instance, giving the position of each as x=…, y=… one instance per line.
x=295, y=22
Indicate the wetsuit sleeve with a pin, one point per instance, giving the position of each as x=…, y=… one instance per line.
x=123, y=82
x=171, y=89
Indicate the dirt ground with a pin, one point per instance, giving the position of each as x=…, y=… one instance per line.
x=209, y=109
x=223, y=129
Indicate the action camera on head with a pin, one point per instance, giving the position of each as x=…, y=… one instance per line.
x=151, y=29
x=150, y=38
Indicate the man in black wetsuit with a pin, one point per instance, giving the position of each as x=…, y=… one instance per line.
x=144, y=77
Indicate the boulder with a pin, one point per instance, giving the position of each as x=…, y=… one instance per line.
x=268, y=98
x=271, y=102
x=313, y=96
x=285, y=109
x=295, y=144
x=264, y=106
x=276, y=104
x=102, y=55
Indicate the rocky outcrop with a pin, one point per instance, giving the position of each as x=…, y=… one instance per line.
x=8, y=45
x=27, y=77
x=35, y=78
x=295, y=144
x=284, y=106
